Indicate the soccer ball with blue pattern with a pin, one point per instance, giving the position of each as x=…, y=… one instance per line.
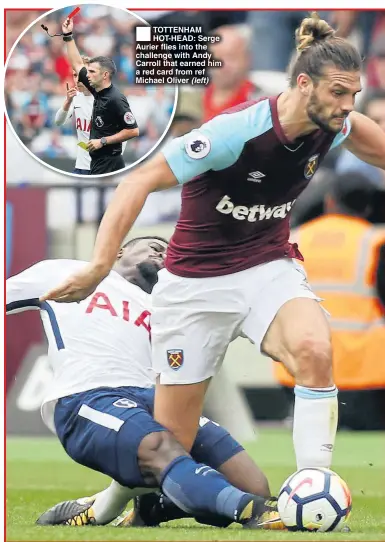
x=314, y=500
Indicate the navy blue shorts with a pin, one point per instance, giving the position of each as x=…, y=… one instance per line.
x=103, y=428
x=82, y=171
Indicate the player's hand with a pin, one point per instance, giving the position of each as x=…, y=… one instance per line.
x=71, y=93
x=67, y=26
x=94, y=145
x=78, y=286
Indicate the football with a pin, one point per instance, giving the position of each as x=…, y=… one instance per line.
x=314, y=499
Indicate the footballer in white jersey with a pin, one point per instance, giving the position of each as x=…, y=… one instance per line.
x=81, y=111
x=113, y=347
x=101, y=401
x=78, y=105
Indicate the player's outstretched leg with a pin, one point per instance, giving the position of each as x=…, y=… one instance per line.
x=194, y=487
x=155, y=508
x=299, y=336
x=197, y=489
x=215, y=447
x=155, y=458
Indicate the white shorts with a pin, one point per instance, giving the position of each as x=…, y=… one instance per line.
x=194, y=319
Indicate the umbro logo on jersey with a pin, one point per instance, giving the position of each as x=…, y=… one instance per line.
x=256, y=176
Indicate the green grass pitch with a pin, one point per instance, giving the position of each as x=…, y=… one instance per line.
x=39, y=474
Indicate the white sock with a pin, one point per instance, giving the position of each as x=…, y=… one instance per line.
x=111, y=502
x=315, y=426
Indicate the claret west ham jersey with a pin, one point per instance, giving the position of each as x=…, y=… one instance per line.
x=241, y=177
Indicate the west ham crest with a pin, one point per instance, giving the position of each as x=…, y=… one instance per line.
x=175, y=359
x=311, y=166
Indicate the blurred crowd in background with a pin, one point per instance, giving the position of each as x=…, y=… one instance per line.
x=38, y=70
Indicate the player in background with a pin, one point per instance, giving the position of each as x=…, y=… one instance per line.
x=78, y=104
x=100, y=403
x=230, y=269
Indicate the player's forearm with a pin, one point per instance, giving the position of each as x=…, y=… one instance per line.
x=66, y=106
x=118, y=219
x=123, y=135
x=61, y=115
x=74, y=57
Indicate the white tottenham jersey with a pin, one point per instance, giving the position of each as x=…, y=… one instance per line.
x=101, y=341
x=81, y=110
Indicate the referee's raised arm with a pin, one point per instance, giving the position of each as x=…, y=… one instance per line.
x=74, y=57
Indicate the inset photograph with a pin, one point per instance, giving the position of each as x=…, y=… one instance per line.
x=70, y=92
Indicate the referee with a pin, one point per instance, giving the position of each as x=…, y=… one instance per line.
x=112, y=121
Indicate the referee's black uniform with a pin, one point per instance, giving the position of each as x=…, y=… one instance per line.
x=111, y=113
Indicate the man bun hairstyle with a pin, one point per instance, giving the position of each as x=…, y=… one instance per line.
x=312, y=29
x=318, y=47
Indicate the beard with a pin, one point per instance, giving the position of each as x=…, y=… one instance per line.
x=314, y=112
x=149, y=274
